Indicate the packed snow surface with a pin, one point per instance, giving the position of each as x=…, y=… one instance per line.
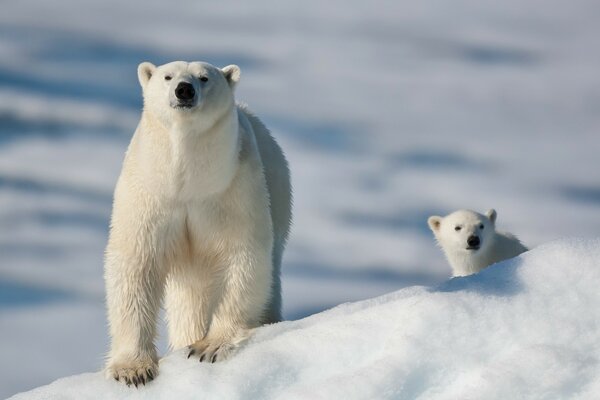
x=524, y=328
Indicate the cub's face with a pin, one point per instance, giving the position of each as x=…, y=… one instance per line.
x=464, y=231
x=186, y=91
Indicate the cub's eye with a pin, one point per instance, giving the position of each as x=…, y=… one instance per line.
x=481, y=226
x=457, y=228
x=203, y=78
x=168, y=77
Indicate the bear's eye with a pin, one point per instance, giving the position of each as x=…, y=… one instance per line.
x=457, y=228
x=481, y=226
x=168, y=77
x=203, y=78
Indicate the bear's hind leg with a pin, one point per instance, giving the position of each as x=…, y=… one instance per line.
x=243, y=296
x=188, y=306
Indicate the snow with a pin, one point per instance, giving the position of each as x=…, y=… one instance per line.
x=388, y=112
x=524, y=328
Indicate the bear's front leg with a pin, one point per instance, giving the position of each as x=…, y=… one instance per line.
x=134, y=290
x=243, y=298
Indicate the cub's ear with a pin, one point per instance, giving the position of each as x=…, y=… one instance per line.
x=232, y=74
x=434, y=223
x=491, y=214
x=145, y=71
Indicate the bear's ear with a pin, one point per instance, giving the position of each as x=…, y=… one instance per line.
x=145, y=71
x=491, y=214
x=434, y=223
x=232, y=74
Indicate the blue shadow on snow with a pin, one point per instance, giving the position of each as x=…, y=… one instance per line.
x=19, y=294
x=39, y=187
x=415, y=221
x=582, y=194
x=113, y=78
x=499, y=279
x=428, y=159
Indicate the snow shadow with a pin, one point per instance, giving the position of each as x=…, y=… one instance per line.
x=497, y=280
x=351, y=279
x=111, y=66
x=14, y=294
x=13, y=128
x=414, y=221
x=72, y=88
x=495, y=55
x=53, y=218
x=38, y=187
x=30, y=250
x=371, y=274
x=484, y=54
x=426, y=159
x=330, y=136
x=582, y=194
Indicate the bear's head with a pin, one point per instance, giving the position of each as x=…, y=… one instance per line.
x=181, y=91
x=464, y=231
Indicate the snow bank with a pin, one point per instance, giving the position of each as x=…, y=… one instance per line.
x=525, y=328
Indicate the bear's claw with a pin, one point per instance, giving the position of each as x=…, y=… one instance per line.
x=135, y=373
x=211, y=352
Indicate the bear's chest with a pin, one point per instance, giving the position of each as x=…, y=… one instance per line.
x=200, y=229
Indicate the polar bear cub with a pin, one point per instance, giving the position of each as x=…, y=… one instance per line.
x=201, y=214
x=471, y=242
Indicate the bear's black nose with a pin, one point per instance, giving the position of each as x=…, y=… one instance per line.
x=185, y=91
x=473, y=241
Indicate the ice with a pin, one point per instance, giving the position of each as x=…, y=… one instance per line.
x=524, y=328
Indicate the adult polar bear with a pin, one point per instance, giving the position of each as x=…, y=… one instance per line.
x=201, y=214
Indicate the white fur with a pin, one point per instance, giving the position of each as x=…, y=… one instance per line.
x=200, y=218
x=495, y=246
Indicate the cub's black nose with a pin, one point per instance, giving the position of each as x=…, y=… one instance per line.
x=185, y=91
x=473, y=241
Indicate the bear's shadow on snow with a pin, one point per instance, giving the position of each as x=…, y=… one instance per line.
x=497, y=280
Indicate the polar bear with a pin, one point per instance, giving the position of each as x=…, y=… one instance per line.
x=470, y=240
x=200, y=218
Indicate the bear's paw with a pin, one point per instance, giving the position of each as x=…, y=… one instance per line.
x=136, y=372
x=211, y=351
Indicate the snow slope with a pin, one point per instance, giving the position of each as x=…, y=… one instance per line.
x=524, y=328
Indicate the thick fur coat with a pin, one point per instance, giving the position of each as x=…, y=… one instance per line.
x=471, y=242
x=201, y=215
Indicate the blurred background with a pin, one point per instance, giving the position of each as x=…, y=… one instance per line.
x=388, y=112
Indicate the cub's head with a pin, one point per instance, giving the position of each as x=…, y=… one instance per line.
x=181, y=90
x=464, y=231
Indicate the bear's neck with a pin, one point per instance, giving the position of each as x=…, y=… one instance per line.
x=203, y=159
x=467, y=263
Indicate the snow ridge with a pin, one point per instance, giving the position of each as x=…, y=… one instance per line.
x=524, y=328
